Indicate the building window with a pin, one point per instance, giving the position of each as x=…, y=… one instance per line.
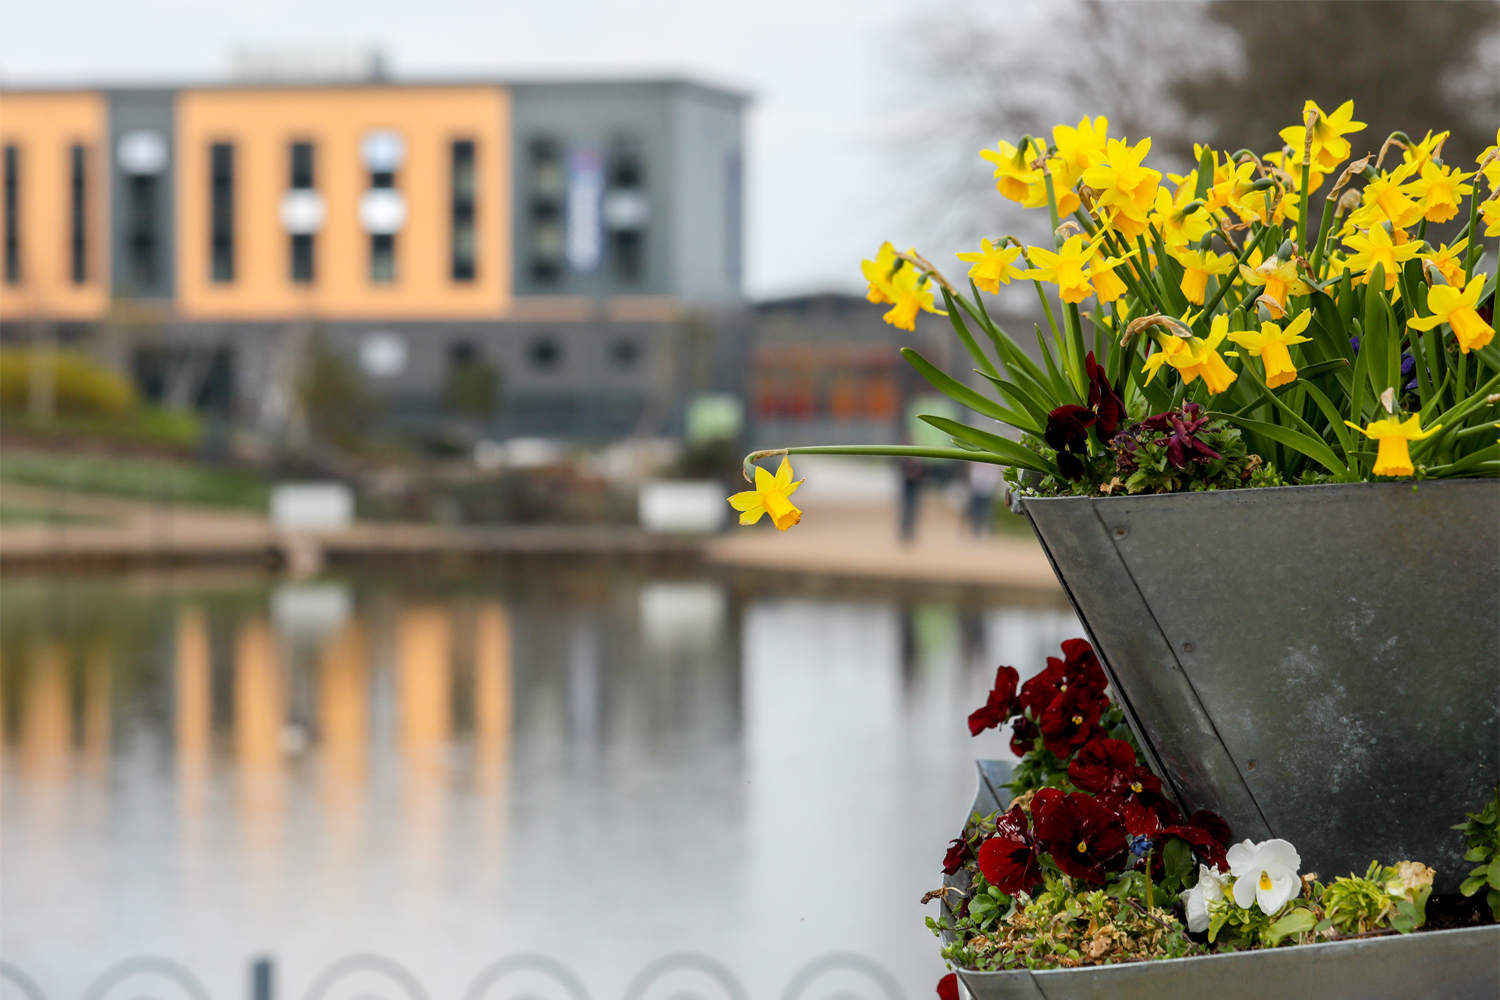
x=12, y=215
x=625, y=352
x=382, y=258
x=221, y=211
x=302, y=245
x=383, y=243
x=78, y=246
x=464, y=199
x=547, y=188
x=626, y=210
x=545, y=354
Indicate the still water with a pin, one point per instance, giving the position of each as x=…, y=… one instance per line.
x=604, y=769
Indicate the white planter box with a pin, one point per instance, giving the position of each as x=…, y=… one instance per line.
x=683, y=506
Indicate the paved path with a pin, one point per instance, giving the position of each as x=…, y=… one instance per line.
x=859, y=541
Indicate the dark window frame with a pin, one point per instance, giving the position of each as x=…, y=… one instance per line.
x=464, y=188
x=221, y=212
x=302, y=247
x=12, y=185
x=78, y=237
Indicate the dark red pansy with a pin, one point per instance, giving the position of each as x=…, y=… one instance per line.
x=1083, y=837
x=1000, y=705
x=1098, y=764
x=1008, y=859
x=1070, y=721
x=947, y=987
x=1067, y=428
x=958, y=852
x=1023, y=736
x=1107, y=405
x=1208, y=834
x=1081, y=666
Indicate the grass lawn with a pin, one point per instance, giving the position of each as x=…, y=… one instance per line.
x=153, y=479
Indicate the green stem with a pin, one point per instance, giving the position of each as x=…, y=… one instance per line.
x=1302, y=205
x=1471, y=256
x=1330, y=206
x=1250, y=245
x=875, y=451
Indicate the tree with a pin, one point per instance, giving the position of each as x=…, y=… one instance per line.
x=1408, y=65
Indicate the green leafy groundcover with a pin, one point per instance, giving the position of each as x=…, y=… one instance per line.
x=1091, y=865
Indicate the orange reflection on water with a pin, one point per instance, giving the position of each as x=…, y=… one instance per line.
x=492, y=732
x=424, y=694
x=259, y=714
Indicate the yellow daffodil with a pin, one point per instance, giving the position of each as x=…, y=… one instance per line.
x=1459, y=310
x=1439, y=190
x=1280, y=277
x=1194, y=357
x=993, y=266
x=878, y=273
x=1489, y=163
x=1014, y=174
x=1107, y=284
x=1448, y=259
x=1180, y=224
x=1424, y=151
x=909, y=296
x=1270, y=344
x=1329, y=147
x=1289, y=165
x=1379, y=247
x=769, y=497
x=1067, y=268
x=1393, y=458
x=1489, y=212
x=1385, y=198
x=1125, y=185
x=1079, y=148
x=1197, y=265
x=897, y=282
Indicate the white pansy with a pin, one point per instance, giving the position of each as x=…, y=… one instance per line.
x=1210, y=889
x=1265, y=873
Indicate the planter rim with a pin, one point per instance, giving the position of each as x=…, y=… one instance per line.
x=1311, y=951
x=1247, y=492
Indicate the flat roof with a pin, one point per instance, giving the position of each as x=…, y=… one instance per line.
x=515, y=83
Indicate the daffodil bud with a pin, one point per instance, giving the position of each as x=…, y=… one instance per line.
x=1433, y=274
x=1287, y=250
x=1206, y=244
x=1348, y=202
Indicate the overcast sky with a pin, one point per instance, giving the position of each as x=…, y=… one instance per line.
x=826, y=185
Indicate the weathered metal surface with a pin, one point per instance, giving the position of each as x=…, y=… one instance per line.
x=1455, y=965
x=1318, y=663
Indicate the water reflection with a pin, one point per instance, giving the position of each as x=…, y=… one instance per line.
x=605, y=769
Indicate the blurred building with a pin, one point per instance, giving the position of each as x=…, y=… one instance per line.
x=541, y=258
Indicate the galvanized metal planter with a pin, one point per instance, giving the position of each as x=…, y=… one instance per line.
x=1318, y=663
x=1455, y=965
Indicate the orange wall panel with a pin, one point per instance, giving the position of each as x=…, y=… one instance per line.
x=45, y=127
x=263, y=123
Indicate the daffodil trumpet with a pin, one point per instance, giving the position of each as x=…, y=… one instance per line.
x=1393, y=454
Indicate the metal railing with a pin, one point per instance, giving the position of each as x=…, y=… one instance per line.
x=874, y=981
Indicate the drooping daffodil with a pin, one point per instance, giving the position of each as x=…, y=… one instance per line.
x=1449, y=260
x=1393, y=456
x=1270, y=344
x=1197, y=265
x=1014, y=174
x=899, y=283
x=1265, y=874
x=1459, y=309
x=1210, y=889
x=769, y=497
x=1124, y=185
x=993, y=266
x=1194, y=357
x=1489, y=213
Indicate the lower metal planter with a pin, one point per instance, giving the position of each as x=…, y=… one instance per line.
x=1455, y=965
x=1317, y=663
